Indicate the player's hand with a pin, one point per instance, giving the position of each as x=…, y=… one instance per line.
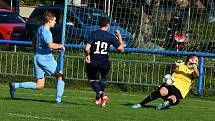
x=118, y=32
x=193, y=66
x=87, y=59
x=63, y=48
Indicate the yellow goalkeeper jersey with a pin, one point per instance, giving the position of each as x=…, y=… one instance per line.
x=183, y=79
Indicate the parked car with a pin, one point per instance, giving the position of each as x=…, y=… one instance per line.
x=12, y=26
x=81, y=21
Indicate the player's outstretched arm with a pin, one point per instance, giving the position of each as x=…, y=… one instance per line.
x=119, y=38
x=56, y=46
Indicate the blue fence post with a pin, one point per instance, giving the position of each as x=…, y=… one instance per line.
x=201, y=73
x=63, y=36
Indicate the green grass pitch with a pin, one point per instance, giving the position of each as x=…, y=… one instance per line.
x=38, y=105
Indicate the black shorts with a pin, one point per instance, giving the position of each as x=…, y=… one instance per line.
x=96, y=68
x=172, y=90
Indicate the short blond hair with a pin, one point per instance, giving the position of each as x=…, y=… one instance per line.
x=48, y=15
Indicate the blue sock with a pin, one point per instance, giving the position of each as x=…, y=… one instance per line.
x=95, y=86
x=102, y=85
x=27, y=85
x=60, y=90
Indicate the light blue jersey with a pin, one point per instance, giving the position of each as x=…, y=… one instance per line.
x=44, y=61
x=43, y=37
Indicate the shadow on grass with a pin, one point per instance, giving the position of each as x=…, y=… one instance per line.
x=146, y=106
x=45, y=101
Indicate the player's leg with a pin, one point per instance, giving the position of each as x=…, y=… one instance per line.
x=153, y=96
x=163, y=91
x=93, y=76
x=104, y=70
x=52, y=68
x=96, y=88
x=27, y=85
x=60, y=87
x=39, y=73
x=40, y=83
x=171, y=100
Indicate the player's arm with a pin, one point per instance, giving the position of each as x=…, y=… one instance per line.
x=55, y=46
x=119, y=38
x=87, y=51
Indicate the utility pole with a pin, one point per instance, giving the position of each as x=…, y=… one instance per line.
x=11, y=4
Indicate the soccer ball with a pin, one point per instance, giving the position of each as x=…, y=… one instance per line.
x=168, y=79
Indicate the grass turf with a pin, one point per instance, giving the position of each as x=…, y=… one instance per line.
x=38, y=105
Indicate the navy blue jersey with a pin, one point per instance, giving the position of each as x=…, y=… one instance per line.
x=100, y=43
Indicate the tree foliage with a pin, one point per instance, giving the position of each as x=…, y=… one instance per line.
x=34, y=1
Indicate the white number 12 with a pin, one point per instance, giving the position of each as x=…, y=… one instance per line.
x=103, y=47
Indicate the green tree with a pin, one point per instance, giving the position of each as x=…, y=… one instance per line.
x=34, y=1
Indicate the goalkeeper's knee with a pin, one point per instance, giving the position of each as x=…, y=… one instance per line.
x=170, y=101
x=163, y=91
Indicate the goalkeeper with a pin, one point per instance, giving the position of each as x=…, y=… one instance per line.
x=181, y=78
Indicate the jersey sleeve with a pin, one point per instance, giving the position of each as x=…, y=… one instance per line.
x=48, y=37
x=115, y=42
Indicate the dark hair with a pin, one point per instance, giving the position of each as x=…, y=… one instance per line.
x=190, y=56
x=104, y=21
x=48, y=15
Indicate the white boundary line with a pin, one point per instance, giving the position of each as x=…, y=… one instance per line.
x=30, y=116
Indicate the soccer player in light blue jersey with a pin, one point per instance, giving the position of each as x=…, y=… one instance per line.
x=44, y=62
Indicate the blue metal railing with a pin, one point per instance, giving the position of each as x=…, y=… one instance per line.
x=137, y=50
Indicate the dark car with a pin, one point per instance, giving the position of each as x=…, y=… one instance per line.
x=12, y=26
x=81, y=21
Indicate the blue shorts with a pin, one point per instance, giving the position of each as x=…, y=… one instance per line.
x=45, y=64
